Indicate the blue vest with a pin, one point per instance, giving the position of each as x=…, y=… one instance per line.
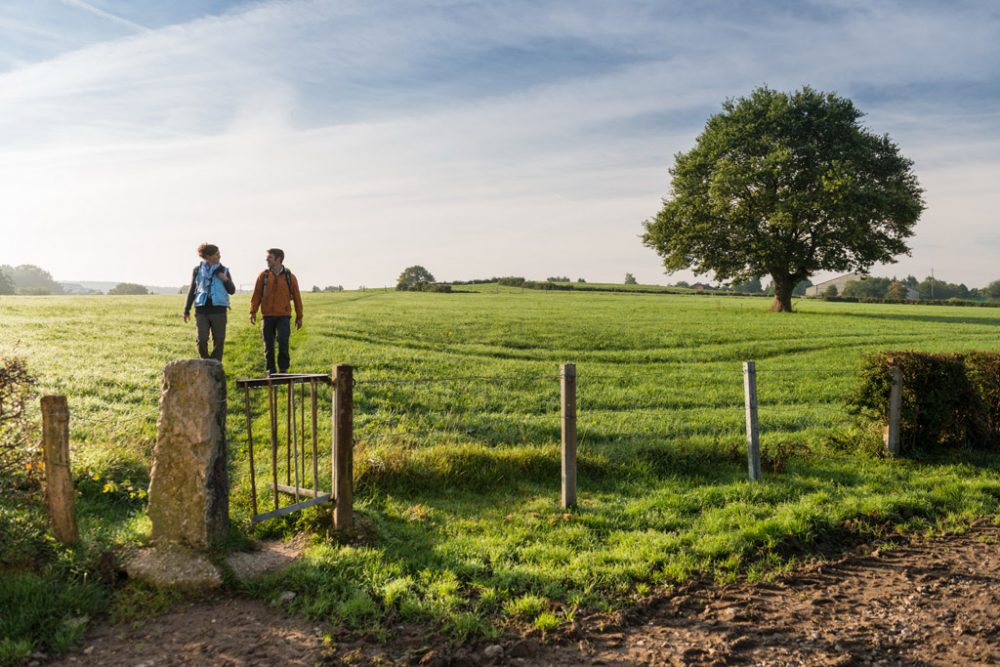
x=220, y=297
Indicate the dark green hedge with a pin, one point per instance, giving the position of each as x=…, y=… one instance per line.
x=967, y=303
x=948, y=400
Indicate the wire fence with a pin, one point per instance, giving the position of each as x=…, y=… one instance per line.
x=662, y=404
x=388, y=409
x=650, y=410
x=656, y=408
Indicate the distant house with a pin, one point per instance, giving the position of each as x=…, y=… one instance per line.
x=840, y=282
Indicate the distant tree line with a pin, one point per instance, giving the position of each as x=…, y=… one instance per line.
x=31, y=280
x=27, y=279
x=895, y=289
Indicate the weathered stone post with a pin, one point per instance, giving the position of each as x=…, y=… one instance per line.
x=189, y=487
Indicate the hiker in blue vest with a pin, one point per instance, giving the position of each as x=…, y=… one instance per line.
x=211, y=286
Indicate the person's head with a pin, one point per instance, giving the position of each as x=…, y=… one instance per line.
x=275, y=258
x=209, y=252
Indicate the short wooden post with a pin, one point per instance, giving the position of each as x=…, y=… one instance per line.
x=891, y=434
x=568, y=376
x=60, y=496
x=753, y=435
x=343, y=446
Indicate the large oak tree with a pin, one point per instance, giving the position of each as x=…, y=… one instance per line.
x=786, y=185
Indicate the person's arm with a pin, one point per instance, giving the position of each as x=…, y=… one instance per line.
x=258, y=294
x=190, y=296
x=228, y=282
x=297, y=298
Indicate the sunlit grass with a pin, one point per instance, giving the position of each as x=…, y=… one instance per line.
x=457, y=482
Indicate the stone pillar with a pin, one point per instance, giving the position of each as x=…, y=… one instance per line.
x=189, y=486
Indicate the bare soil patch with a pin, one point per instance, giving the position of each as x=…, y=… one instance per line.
x=921, y=602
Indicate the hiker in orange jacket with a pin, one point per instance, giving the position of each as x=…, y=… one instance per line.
x=274, y=293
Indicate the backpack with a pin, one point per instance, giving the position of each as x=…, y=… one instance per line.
x=288, y=279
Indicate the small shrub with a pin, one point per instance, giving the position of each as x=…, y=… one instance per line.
x=17, y=387
x=948, y=400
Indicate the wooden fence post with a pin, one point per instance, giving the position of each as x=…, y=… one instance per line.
x=891, y=435
x=343, y=446
x=568, y=376
x=753, y=435
x=59, y=493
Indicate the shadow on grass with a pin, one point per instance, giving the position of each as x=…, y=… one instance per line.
x=914, y=317
x=977, y=458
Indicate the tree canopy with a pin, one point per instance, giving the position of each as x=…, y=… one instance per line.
x=786, y=184
x=414, y=279
x=31, y=279
x=933, y=289
x=128, y=289
x=6, y=283
x=871, y=287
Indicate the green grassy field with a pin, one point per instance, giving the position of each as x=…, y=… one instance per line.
x=457, y=445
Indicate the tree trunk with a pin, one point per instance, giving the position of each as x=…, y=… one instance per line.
x=783, y=286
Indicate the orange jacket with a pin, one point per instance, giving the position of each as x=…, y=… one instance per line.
x=275, y=301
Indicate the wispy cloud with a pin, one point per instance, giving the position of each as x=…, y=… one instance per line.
x=96, y=11
x=476, y=138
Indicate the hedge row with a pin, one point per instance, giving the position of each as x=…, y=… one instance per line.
x=948, y=400
x=968, y=303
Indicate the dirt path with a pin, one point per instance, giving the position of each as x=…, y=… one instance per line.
x=923, y=603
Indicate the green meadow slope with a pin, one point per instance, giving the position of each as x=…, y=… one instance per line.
x=457, y=442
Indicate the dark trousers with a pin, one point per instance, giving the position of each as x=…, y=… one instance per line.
x=216, y=324
x=280, y=328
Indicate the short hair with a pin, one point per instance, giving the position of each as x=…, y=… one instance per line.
x=277, y=253
x=207, y=250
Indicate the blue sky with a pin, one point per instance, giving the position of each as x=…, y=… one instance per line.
x=474, y=138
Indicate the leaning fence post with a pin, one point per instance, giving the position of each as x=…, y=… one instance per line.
x=343, y=445
x=59, y=493
x=568, y=376
x=753, y=435
x=891, y=435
